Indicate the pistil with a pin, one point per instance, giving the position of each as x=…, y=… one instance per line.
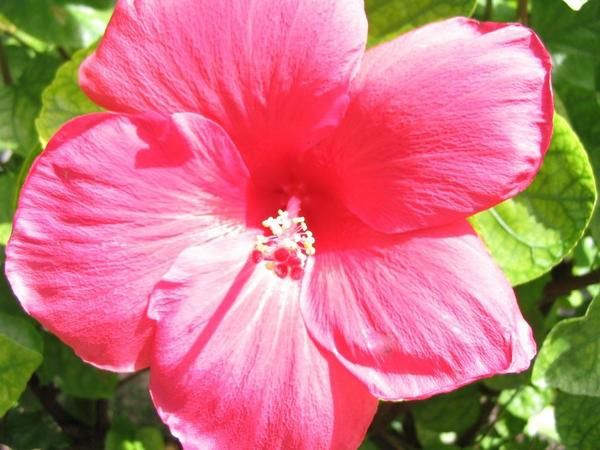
x=286, y=244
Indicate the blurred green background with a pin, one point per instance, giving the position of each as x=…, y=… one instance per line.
x=546, y=240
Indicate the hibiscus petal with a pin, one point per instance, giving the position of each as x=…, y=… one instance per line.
x=444, y=121
x=274, y=73
x=417, y=314
x=105, y=211
x=235, y=366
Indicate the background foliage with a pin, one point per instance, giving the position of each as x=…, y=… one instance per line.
x=547, y=240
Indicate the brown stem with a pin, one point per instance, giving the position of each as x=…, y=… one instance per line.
x=566, y=284
x=488, y=410
x=47, y=397
x=523, y=12
x=63, y=53
x=496, y=414
x=82, y=437
x=4, y=69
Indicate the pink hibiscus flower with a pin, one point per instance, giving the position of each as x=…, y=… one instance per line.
x=274, y=221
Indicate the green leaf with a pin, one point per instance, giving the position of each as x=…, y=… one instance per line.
x=526, y=401
x=82, y=409
x=498, y=11
x=17, y=56
x=456, y=411
x=368, y=445
x=20, y=105
x=20, y=354
x=566, y=32
x=8, y=139
x=73, y=376
x=510, y=381
x=70, y=23
x=63, y=99
x=570, y=356
x=124, y=436
x=25, y=430
x=441, y=447
x=8, y=303
x=389, y=18
x=573, y=39
x=531, y=233
x=8, y=181
x=577, y=421
x=526, y=443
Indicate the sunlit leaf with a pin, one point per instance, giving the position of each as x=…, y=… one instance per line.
x=69, y=23
x=124, y=436
x=526, y=401
x=389, y=18
x=63, y=99
x=20, y=104
x=20, y=354
x=570, y=357
x=533, y=232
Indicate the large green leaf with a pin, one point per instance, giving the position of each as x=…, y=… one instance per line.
x=570, y=356
x=25, y=430
x=388, y=18
x=20, y=104
x=63, y=99
x=573, y=39
x=74, y=377
x=533, y=232
x=577, y=421
x=456, y=411
x=69, y=23
x=20, y=354
x=566, y=32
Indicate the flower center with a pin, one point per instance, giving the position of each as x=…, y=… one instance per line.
x=286, y=243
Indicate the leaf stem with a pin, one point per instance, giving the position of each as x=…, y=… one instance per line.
x=12, y=32
x=47, y=397
x=496, y=414
x=488, y=410
x=4, y=68
x=523, y=14
x=63, y=53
